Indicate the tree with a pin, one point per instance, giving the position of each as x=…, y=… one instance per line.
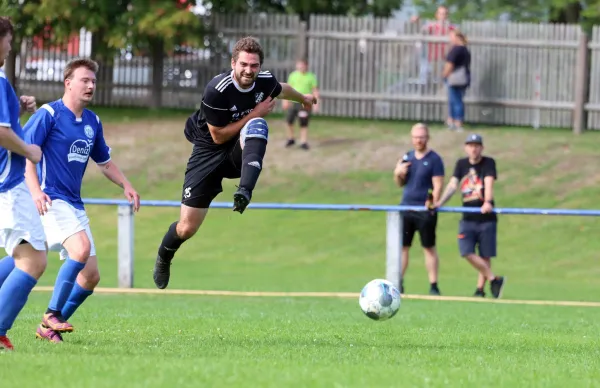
x=24, y=26
x=144, y=25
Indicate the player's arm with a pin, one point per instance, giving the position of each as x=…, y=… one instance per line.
x=488, y=181
x=437, y=180
x=400, y=173
x=452, y=185
x=449, y=192
x=289, y=93
x=36, y=132
x=101, y=155
x=10, y=141
x=218, y=118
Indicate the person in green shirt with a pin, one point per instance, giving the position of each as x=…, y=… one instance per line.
x=305, y=82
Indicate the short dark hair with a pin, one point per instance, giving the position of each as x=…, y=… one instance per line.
x=76, y=63
x=6, y=26
x=249, y=45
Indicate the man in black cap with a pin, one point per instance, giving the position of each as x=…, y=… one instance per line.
x=475, y=176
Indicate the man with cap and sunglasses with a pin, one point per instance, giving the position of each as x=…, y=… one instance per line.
x=475, y=176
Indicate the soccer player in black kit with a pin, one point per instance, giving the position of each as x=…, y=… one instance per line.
x=230, y=136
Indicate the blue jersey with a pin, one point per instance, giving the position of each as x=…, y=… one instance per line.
x=12, y=166
x=67, y=143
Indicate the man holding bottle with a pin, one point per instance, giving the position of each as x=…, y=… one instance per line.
x=420, y=173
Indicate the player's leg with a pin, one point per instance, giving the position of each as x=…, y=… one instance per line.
x=87, y=280
x=253, y=140
x=202, y=183
x=66, y=232
x=22, y=236
x=467, y=240
x=487, y=249
x=190, y=220
x=409, y=227
x=304, y=118
x=427, y=232
x=7, y=264
x=289, y=120
x=30, y=263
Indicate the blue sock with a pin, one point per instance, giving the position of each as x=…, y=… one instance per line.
x=64, y=284
x=13, y=296
x=77, y=297
x=6, y=266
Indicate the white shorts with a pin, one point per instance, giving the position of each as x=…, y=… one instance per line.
x=61, y=222
x=20, y=220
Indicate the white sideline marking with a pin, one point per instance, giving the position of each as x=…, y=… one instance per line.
x=154, y=291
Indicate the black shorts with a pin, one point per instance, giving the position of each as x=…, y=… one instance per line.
x=205, y=171
x=424, y=222
x=482, y=235
x=298, y=110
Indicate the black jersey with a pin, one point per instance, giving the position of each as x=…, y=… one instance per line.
x=225, y=102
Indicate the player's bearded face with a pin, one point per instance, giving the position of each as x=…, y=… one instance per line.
x=246, y=68
x=83, y=84
x=5, y=47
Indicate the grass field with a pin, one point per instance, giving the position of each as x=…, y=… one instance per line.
x=188, y=340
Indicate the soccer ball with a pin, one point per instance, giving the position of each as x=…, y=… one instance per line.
x=379, y=300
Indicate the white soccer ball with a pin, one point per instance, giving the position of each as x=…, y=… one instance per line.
x=379, y=299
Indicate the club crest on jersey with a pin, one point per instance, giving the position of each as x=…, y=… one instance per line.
x=89, y=132
x=80, y=151
x=258, y=97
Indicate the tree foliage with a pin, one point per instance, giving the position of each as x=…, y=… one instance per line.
x=119, y=23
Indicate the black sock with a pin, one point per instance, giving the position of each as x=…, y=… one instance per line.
x=170, y=243
x=53, y=312
x=252, y=158
x=434, y=285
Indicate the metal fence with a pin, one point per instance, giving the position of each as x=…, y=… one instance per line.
x=393, y=247
x=523, y=74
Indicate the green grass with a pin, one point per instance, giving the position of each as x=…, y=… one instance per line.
x=160, y=340
x=157, y=341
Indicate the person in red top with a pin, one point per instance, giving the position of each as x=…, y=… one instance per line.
x=436, y=52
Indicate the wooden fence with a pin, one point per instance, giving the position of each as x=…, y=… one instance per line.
x=524, y=74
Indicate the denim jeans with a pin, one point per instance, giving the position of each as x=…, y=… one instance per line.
x=456, y=105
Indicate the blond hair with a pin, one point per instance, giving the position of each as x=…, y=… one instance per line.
x=460, y=36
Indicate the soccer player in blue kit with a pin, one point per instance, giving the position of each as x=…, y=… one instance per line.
x=21, y=231
x=69, y=134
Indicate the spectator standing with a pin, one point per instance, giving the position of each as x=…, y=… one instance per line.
x=475, y=176
x=436, y=51
x=421, y=174
x=305, y=82
x=457, y=73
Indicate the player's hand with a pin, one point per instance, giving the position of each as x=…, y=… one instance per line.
x=402, y=168
x=28, y=104
x=133, y=197
x=34, y=153
x=265, y=107
x=42, y=201
x=309, y=101
x=487, y=208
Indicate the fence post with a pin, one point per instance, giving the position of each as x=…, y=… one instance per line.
x=581, y=84
x=302, y=44
x=394, y=248
x=125, y=248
